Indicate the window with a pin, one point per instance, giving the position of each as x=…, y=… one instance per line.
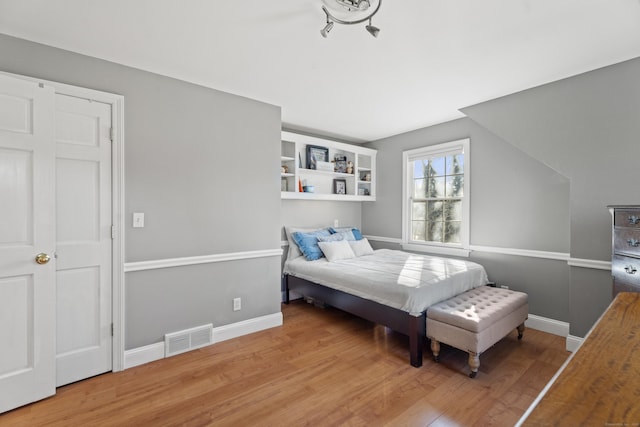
x=436, y=198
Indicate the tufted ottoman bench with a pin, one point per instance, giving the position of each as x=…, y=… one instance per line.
x=475, y=320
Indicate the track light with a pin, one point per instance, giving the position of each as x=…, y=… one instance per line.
x=352, y=6
x=374, y=31
x=326, y=29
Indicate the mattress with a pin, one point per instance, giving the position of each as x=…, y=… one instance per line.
x=398, y=279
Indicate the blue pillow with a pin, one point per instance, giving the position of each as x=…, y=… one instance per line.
x=334, y=237
x=308, y=243
x=357, y=235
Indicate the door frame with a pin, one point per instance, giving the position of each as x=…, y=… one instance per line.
x=117, y=206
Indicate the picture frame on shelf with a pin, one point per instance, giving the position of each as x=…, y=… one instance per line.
x=316, y=153
x=339, y=186
x=341, y=164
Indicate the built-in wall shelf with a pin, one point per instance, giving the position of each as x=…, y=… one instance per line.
x=310, y=162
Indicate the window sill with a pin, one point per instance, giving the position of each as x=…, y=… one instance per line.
x=438, y=250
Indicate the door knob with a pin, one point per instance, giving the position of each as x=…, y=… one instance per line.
x=42, y=258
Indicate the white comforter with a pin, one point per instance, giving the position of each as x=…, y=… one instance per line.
x=398, y=279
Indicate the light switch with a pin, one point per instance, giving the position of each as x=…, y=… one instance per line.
x=138, y=220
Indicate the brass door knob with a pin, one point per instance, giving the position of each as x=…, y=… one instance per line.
x=42, y=258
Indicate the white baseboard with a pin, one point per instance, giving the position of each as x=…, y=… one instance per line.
x=141, y=355
x=554, y=327
x=547, y=325
x=152, y=352
x=234, y=330
x=573, y=343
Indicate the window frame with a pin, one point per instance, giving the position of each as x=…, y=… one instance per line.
x=461, y=249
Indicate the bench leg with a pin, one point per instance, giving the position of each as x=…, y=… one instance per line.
x=520, y=330
x=435, y=349
x=474, y=363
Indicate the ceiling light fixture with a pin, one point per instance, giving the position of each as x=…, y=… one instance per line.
x=352, y=6
x=372, y=29
x=326, y=29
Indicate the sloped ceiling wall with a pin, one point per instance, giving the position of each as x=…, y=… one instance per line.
x=587, y=128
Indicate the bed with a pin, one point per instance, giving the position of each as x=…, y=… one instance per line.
x=388, y=287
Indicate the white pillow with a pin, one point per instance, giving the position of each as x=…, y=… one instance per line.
x=335, y=251
x=361, y=247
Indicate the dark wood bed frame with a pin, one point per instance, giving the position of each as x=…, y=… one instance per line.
x=400, y=321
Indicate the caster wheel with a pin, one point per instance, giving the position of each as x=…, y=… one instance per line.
x=473, y=374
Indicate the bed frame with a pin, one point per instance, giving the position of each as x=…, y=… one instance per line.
x=400, y=321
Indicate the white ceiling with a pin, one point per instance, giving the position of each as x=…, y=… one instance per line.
x=432, y=57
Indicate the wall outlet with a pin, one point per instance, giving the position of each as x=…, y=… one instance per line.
x=138, y=220
x=504, y=286
x=237, y=304
x=336, y=223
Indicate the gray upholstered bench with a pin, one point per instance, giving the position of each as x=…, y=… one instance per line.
x=475, y=320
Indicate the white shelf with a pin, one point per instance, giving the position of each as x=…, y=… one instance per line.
x=294, y=149
x=290, y=195
x=303, y=171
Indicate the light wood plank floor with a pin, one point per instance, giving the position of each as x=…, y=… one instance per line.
x=322, y=368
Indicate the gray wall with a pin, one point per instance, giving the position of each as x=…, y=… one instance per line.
x=320, y=213
x=585, y=127
x=516, y=202
x=203, y=167
x=578, y=147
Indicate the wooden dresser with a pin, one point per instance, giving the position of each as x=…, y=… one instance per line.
x=599, y=385
x=625, y=258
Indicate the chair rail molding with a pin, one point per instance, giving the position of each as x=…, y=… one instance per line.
x=204, y=259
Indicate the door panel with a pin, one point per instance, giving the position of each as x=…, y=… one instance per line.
x=27, y=227
x=78, y=200
x=15, y=113
x=83, y=209
x=78, y=309
x=16, y=294
x=16, y=193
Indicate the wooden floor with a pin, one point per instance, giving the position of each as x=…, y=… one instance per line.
x=323, y=367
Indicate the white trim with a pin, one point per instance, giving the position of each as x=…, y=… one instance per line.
x=204, y=259
x=574, y=343
x=156, y=351
x=555, y=327
x=560, y=256
x=141, y=355
x=117, y=207
x=246, y=327
x=434, y=249
x=437, y=150
x=117, y=204
x=550, y=326
x=384, y=239
x=284, y=243
x=590, y=263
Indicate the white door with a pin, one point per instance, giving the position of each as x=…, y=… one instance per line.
x=27, y=228
x=83, y=249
